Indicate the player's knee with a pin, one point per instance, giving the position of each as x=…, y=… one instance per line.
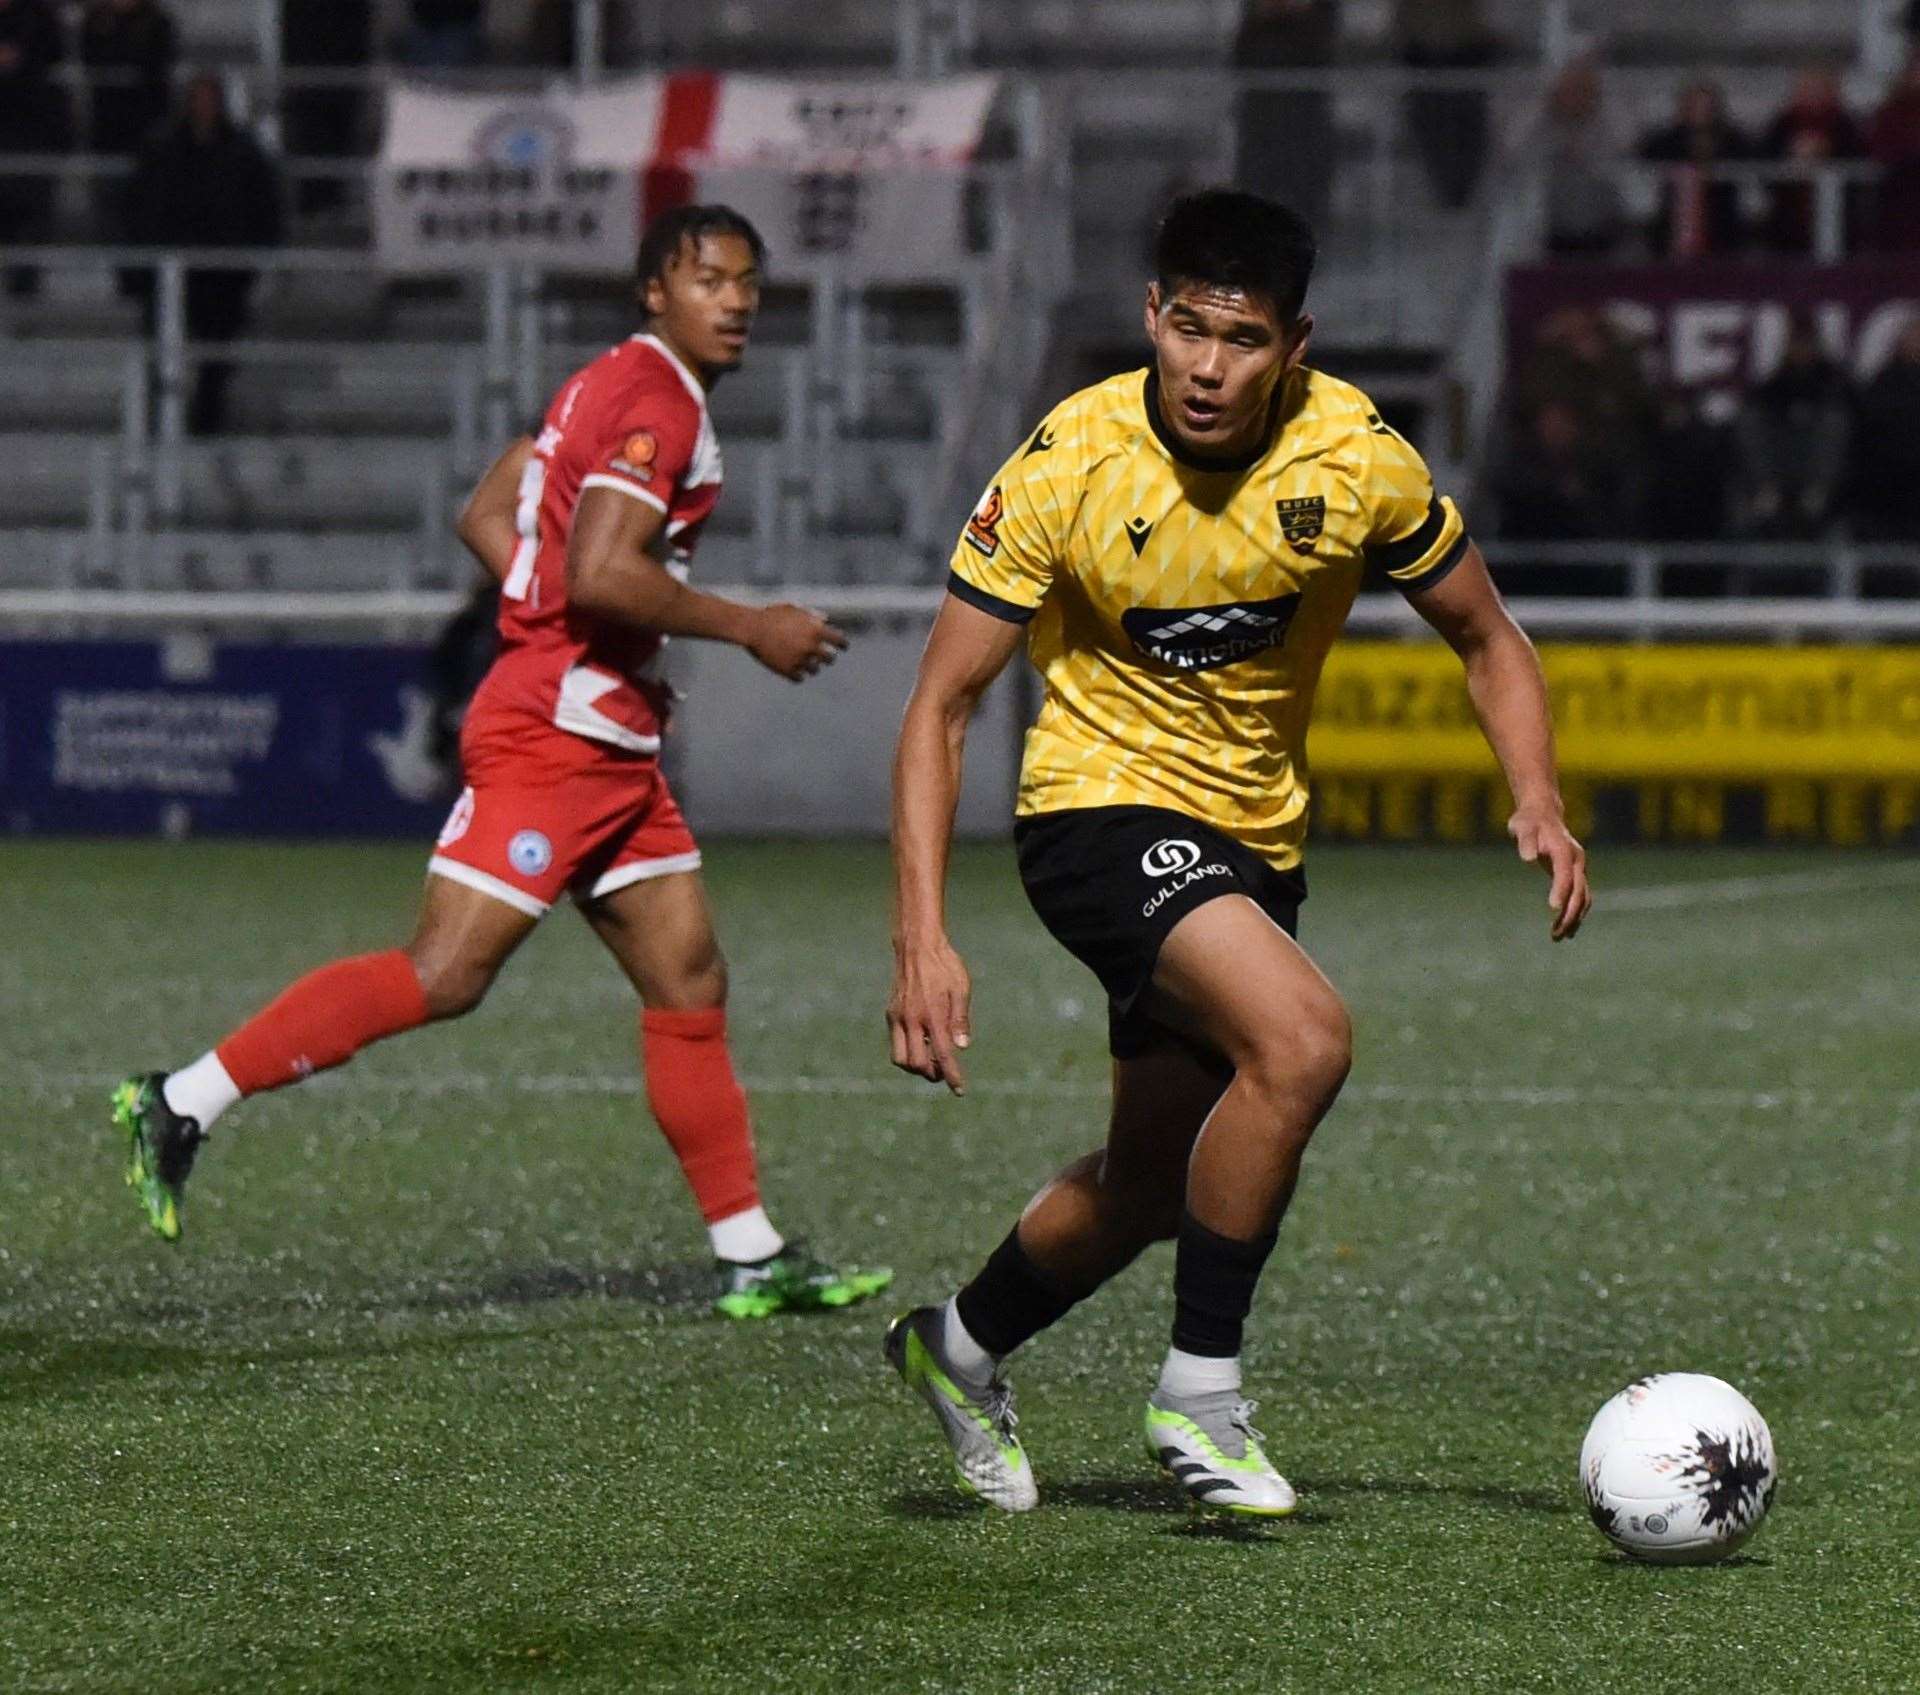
x=451, y=987
x=1311, y=1052
x=1329, y=1043
x=696, y=985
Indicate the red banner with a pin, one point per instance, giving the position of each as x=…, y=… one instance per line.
x=1722, y=325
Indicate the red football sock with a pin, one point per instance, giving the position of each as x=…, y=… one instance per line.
x=701, y=1107
x=324, y=1020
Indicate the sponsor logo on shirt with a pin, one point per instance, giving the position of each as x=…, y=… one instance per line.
x=1202, y=638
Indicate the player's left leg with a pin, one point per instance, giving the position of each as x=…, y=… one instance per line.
x=1087, y=1225
x=1230, y=973
x=661, y=930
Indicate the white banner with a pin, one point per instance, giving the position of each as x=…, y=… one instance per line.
x=469, y=179
x=866, y=174
x=856, y=126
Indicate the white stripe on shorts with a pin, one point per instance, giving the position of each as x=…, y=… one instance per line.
x=640, y=871
x=519, y=899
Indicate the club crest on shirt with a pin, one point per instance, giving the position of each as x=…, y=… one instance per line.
x=1302, y=520
x=983, y=528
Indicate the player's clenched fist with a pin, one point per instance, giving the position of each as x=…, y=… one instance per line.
x=928, y=1013
x=794, y=641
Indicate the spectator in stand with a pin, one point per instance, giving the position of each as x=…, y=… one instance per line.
x=1449, y=125
x=129, y=48
x=34, y=118
x=552, y=31
x=1885, y=473
x=1580, y=361
x=331, y=39
x=1894, y=143
x=1558, y=481
x=1691, y=462
x=205, y=182
x=1814, y=129
x=1581, y=153
x=1284, y=143
x=1699, y=214
x=444, y=34
x=1793, y=433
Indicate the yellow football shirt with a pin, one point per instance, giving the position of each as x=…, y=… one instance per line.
x=1181, y=611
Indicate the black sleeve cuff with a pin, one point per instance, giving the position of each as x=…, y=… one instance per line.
x=1409, y=550
x=1441, y=569
x=1008, y=611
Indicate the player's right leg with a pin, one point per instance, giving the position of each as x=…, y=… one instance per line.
x=462, y=938
x=1231, y=974
x=1089, y=1223
x=653, y=915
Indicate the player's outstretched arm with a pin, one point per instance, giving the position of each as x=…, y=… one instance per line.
x=488, y=523
x=1510, y=699
x=929, y=1010
x=612, y=571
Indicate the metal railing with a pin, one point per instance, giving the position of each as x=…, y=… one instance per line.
x=931, y=36
x=137, y=476
x=1836, y=188
x=1635, y=611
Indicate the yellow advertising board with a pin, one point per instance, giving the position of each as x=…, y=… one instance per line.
x=1666, y=743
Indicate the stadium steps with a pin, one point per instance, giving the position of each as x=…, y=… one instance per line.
x=297, y=481
x=370, y=560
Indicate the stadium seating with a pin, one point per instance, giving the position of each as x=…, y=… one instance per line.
x=362, y=407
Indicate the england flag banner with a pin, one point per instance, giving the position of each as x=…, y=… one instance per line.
x=864, y=173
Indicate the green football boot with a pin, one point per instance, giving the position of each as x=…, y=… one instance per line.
x=161, y=1146
x=1208, y=1444
x=793, y=1280
x=976, y=1416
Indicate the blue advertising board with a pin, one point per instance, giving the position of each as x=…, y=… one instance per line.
x=186, y=736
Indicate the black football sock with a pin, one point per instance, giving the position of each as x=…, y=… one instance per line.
x=1010, y=1300
x=1213, y=1282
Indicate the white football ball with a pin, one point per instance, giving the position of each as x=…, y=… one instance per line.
x=1678, y=1469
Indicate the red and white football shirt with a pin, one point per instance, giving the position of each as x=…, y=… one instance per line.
x=635, y=421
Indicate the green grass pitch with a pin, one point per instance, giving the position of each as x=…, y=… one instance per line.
x=428, y=1398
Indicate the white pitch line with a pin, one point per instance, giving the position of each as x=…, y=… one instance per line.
x=1666, y=897
x=603, y=1085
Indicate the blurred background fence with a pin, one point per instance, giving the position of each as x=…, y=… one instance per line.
x=1642, y=280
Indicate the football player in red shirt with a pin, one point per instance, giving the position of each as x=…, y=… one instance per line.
x=591, y=527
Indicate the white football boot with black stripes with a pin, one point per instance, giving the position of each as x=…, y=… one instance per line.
x=1209, y=1445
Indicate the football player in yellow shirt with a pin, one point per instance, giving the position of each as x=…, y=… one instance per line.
x=1179, y=547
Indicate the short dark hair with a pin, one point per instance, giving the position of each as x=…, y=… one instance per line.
x=1237, y=240
x=666, y=234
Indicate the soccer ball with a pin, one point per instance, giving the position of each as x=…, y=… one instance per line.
x=1678, y=1469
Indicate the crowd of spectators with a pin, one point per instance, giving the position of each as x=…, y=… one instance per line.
x=1593, y=449
x=1723, y=188
x=1592, y=446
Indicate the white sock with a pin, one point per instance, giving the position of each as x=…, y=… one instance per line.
x=1186, y=1375
x=202, y=1091
x=744, y=1237
x=957, y=1343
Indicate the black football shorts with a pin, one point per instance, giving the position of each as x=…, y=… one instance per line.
x=1110, y=883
